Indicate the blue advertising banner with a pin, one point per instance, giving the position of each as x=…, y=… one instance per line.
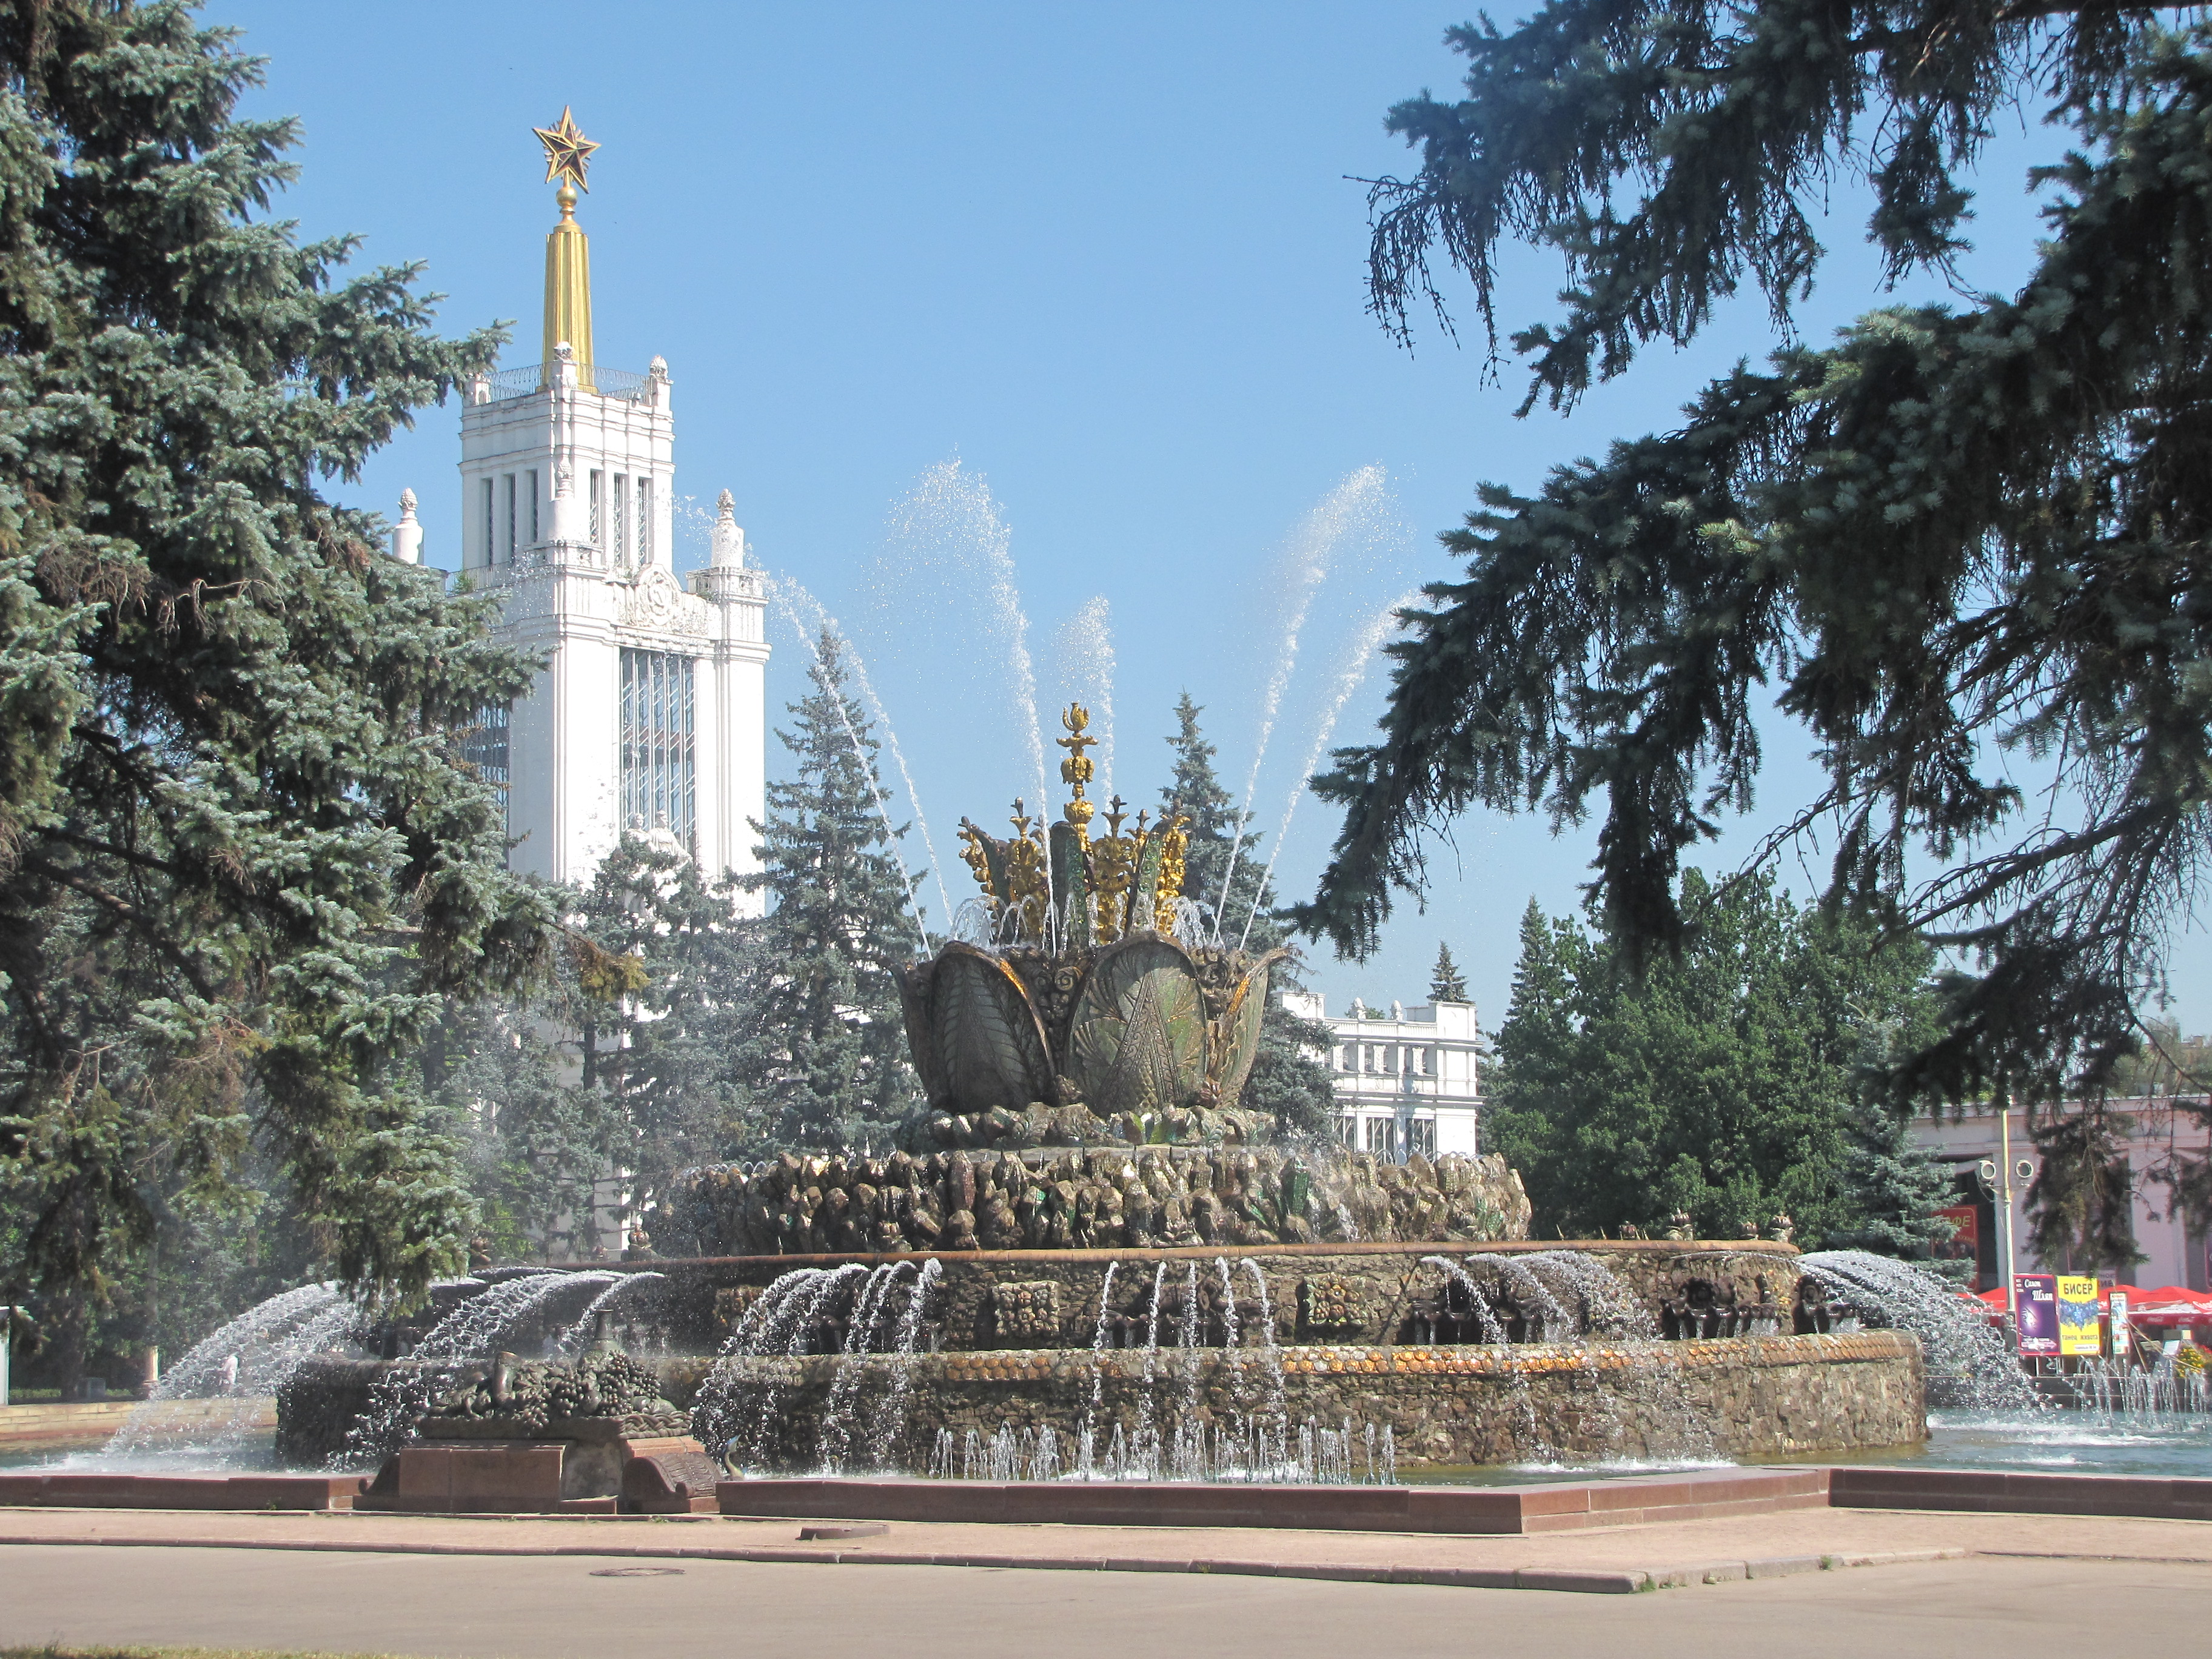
x=2035, y=1306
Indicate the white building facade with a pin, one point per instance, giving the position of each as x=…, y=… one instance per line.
x=650, y=714
x=1407, y=1081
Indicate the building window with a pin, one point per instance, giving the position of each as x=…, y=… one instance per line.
x=622, y=519
x=531, y=479
x=511, y=526
x=598, y=484
x=1382, y=1137
x=483, y=749
x=1421, y=1136
x=1347, y=1131
x=657, y=774
x=645, y=521
x=488, y=542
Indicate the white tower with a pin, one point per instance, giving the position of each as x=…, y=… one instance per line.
x=650, y=713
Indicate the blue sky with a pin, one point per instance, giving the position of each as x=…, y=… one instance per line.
x=1107, y=263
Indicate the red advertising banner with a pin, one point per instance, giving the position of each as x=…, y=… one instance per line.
x=1965, y=1243
x=2035, y=1306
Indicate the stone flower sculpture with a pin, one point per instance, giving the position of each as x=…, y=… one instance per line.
x=1141, y=1025
x=1084, y=997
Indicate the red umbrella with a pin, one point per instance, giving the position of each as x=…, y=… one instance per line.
x=2169, y=1304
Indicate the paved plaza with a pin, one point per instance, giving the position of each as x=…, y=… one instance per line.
x=580, y=1588
x=570, y=1607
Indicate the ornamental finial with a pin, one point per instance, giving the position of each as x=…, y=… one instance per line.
x=567, y=152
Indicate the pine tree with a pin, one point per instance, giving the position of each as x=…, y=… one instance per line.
x=826, y=1061
x=666, y=1049
x=1195, y=789
x=580, y=1101
x=506, y=1071
x=1957, y=530
x=1446, y=982
x=240, y=859
x=2080, y=1204
x=1892, y=1189
x=1288, y=1080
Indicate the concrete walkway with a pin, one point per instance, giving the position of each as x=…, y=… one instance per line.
x=1613, y=1559
x=592, y=1607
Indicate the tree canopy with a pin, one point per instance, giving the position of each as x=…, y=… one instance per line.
x=1726, y=1081
x=240, y=854
x=1961, y=544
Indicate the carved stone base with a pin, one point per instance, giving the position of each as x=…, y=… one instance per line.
x=596, y=1469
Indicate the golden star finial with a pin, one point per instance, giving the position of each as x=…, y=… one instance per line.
x=567, y=152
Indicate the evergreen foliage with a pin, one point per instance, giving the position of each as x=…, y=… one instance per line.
x=1288, y=1080
x=1892, y=1188
x=665, y=1052
x=1726, y=1081
x=826, y=1062
x=240, y=858
x=1446, y=982
x=582, y=1100
x=1953, y=533
x=1195, y=790
x=507, y=1071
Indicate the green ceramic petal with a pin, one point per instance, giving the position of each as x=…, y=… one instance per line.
x=989, y=1043
x=1137, y=1042
x=1237, y=1034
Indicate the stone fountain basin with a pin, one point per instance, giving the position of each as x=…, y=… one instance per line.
x=1733, y=1399
x=1010, y=1342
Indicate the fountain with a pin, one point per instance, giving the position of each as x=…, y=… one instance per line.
x=1087, y=1261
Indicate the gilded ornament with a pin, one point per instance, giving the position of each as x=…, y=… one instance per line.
x=973, y=854
x=567, y=152
x=1027, y=883
x=1175, y=841
x=1113, y=868
x=1078, y=768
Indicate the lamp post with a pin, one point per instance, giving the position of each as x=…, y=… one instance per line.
x=1997, y=1180
x=2004, y=1197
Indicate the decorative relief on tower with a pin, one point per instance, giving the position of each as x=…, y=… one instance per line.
x=654, y=603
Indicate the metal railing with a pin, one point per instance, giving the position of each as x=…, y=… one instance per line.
x=530, y=379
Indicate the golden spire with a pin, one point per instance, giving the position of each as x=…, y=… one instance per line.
x=568, y=250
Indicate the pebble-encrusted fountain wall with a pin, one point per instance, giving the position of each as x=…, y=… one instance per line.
x=1045, y=1198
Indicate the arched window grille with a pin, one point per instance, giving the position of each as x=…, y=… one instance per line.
x=658, y=776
